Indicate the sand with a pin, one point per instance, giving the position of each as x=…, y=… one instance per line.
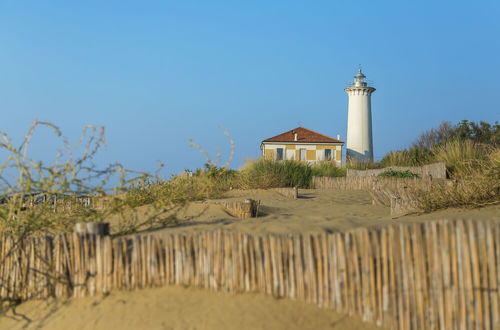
x=180, y=308
x=177, y=308
x=315, y=210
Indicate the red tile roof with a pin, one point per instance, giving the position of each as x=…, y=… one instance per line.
x=304, y=135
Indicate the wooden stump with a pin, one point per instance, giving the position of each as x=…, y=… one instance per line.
x=249, y=208
x=288, y=192
x=94, y=228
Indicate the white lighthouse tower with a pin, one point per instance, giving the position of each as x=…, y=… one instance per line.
x=359, y=119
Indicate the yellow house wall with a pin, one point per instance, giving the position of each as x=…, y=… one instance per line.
x=269, y=154
x=312, y=151
x=311, y=155
x=323, y=147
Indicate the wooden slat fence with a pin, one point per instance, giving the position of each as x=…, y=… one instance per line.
x=432, y=275
x=368, y=183
x=430, y=171
x=288, y=192
x=400, y=194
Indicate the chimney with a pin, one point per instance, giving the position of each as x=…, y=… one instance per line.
x=295, y=136
x=338, y=137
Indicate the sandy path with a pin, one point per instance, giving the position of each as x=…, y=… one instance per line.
x=316, y=210
x=177, y=308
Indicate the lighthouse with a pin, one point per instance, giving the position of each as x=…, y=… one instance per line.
x=359, y=119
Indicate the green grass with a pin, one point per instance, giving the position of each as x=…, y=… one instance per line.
x=329, y=169
x=264, y=173
x=362, y=165
x=398, y=174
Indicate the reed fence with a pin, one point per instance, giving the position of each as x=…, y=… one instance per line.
x=400, y=194
x=248, y=208
x=288, y=192
x=430, y=171
x=432, y=275
x=369, y=182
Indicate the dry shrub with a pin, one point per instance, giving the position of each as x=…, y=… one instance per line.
x=210, y=182
x=462, y=156
x=165, y=198
x=415, y=156
x=476, y=182
x=39, y=198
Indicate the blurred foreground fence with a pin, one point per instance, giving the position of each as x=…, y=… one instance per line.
x=432, y=275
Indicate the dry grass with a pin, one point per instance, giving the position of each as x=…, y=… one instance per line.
x=462, y=156
x=476, y=181
x=415, y=156
x=38, y=198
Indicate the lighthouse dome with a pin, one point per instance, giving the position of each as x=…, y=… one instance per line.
x=360, y=75
x=359, y=79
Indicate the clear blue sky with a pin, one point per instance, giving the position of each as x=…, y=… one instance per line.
x=157, y=73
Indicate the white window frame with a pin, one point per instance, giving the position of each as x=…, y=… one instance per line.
x=303, y=152
x=326, y=157
x=282, y=154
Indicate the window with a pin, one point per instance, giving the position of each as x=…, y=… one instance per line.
x=302, y=154
x=279, y=154
x=328, y=154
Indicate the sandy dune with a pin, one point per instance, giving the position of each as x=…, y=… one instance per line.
x=180, y=308
x=177, y=308
x=315, y=210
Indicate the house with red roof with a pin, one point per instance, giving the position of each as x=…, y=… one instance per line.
x=302, y=144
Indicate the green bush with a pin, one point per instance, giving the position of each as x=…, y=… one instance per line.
x=265, y=173
x=355, y=164
x=329, y=169
x=398, y=174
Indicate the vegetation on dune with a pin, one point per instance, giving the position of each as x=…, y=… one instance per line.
x=398, y=174
x=212, y=181
x=355, y=164
x=413, y=156
x=40, y=198
x=329, y=169
x=43, y=199
x=209, y=182
x=476, y=182
x=265, y=173
x=448, y=143
x=471, y=152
